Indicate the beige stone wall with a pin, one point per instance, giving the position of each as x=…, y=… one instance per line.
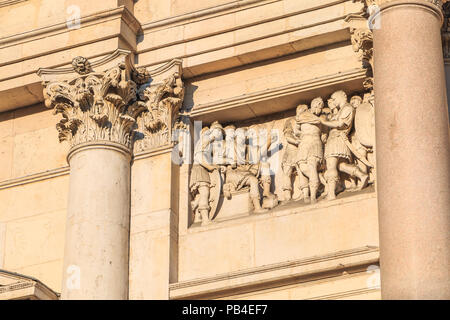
x=241, y=60
x=33, y=194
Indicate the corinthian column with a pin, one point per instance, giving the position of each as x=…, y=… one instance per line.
x=98, y=112
x=413, y=153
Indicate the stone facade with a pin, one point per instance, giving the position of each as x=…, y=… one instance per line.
x=224, y=149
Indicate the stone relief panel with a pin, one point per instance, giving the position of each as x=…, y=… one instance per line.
x=252, y=167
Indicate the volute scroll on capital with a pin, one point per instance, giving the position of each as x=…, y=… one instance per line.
x=111, y=100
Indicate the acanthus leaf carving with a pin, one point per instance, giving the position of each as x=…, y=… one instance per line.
x=158, y=110
x=94, y=106
x=362, y=44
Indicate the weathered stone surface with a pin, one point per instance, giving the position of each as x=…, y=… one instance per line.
x=128, y=208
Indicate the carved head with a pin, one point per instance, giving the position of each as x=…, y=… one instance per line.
x=216, y=131
x=338, y=99
x=317, y=105
x=301, y=108
x=141, y=75
x=355, y=101
x=240, y=135
x=230, y=131
x=81, y=65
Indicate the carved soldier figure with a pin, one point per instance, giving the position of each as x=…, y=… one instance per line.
x=310, y=149
x=289, y=163
x=364, y=135
x=240, y=173
x=338, y=154
x=200, y=182
x=356, y=101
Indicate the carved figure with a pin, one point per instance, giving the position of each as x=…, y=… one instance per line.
x=289, y=161
x=338, y=149
x=200, y=182
x=310, y=148
x=238, y=176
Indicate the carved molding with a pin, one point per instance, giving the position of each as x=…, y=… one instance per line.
x=40, y=176
x=362, y=43
x=5, y=3
x=285, y=273
x=161, y=101
x=94, y=106
x=362, y=37
x=111, y=100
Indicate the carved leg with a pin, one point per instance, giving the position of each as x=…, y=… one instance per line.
x=304, y=181
x=203, y=204
x=354, y=171
x=305, y=192
x=324, y=182
x=313, y=178
x=252, y=181
x=287, y=183
x=332, y=177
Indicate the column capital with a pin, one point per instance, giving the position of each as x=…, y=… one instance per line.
x=111, y=101
x=96, y=105
x=435, y=4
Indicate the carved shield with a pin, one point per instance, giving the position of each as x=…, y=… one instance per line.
x=365, y=124
x=214, y=193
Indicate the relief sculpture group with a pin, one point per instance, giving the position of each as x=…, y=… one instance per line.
x=326, y=147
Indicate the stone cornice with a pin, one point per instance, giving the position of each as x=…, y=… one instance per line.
x=40, y=176
x=234, y=102
x=121, y=11
x=285, y=273
x=5, y=3
x=220, y=9
x=247, y=25
x=25, y=287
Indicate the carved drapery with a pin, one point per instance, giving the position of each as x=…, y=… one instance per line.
x=327, y=147
x=132, y=107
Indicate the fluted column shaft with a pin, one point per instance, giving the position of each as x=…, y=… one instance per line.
x=413, y=153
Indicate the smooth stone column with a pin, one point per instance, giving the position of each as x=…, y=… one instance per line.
x=97, y=230
x=413, y=154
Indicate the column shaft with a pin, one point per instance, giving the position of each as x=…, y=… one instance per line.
x=413, y=154
x=97, y=230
